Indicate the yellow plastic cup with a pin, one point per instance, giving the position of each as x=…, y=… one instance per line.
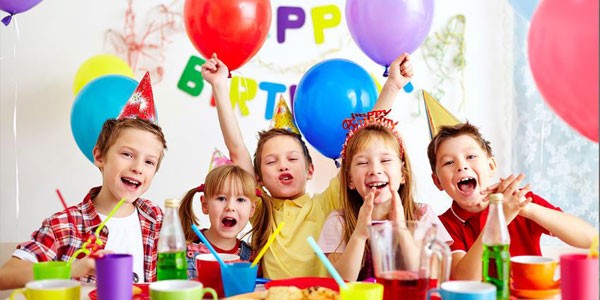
x=362, y=291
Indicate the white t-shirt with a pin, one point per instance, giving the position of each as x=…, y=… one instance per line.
x=125, y=236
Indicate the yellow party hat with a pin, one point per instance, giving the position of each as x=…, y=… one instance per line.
x=282, y=118
x=437, y=114
x=218, y=159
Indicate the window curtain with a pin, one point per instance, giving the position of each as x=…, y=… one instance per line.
x=560, y=164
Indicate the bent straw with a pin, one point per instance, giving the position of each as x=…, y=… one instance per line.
x=326, y=262
x=69, y=217
x=208, y=245
x=84, y=248
x=269, y=241
x=212, y=250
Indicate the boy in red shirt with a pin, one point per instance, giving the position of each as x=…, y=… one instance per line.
x=462, y=164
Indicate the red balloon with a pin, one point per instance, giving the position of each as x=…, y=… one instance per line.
x=563, y=54
x=234, y=29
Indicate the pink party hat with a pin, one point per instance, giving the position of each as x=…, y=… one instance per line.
x=218, y=159
x=141, y=103
x=282, y=117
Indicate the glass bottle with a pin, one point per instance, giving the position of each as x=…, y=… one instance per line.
x=172, y=263
x=496, y=242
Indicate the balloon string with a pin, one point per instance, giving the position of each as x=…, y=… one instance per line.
x=16, y=96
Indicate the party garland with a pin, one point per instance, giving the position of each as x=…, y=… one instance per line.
x=444, y=55
x=145, y=49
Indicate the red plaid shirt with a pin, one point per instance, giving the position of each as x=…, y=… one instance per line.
x=57, y=239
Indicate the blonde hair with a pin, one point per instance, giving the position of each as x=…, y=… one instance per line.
x=351, y=199
x=217, y=180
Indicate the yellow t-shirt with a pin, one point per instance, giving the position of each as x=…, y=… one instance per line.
x=290, y=255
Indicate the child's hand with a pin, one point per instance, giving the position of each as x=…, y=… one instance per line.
x=400, y=71
x=397, y=210
x=87, y=265
x=214, y=71
x=515, y=202
x=364, y=216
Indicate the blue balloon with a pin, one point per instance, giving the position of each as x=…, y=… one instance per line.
x=99, y=100
x=524, y=8
x=327, y=94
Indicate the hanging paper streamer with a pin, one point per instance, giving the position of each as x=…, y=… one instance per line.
x=145, y=45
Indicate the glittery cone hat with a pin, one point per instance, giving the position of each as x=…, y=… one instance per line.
x=283, y=117
x=141, y=103
x=218, y=159
x=437, y=115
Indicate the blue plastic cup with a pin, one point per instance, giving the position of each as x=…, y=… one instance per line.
x=238, y=278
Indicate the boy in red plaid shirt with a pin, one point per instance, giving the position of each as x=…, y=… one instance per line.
x=128, y=153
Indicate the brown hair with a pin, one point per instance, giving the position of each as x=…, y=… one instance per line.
x=216, y=181
x=112, y=128
x=352, y=201
x=264, y=136
x=448, y=132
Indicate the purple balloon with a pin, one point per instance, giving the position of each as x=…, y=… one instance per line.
x=13, y=7
x=384, y=29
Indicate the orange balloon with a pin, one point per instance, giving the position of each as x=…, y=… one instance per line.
x=234, y=29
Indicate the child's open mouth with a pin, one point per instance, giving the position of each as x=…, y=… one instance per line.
x=130, y=182
x=377, y=185
x=467, y=184
x=229, y=222
x=285, y=177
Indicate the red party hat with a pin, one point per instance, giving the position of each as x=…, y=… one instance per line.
x=141, y=103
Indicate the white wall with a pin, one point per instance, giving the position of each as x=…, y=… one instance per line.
x=38, y=62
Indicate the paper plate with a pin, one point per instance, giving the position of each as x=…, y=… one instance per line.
x=143, y=295
x=305, y=282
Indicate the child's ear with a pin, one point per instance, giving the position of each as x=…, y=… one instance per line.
x=204, y=205
x=98, y=159
x=309, y=171
x=436, y=181
x=492, y=165
x=253, y=208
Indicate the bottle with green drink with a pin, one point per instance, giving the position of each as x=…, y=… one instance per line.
x=496, y=242
x=172, y=263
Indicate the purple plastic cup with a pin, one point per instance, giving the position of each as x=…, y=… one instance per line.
x=114, y=276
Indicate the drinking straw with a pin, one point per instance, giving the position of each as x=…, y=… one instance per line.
x=266, y=246
x=69, y=217
x=594, y=248
x=212, y=250
x=84, y=248
x=326, y=262
x=209, y=246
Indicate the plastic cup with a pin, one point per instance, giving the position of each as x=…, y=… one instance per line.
x=114, y=276
x=179, y=289
x=579, y=277
x=362, y=291
x=209, y=270
x=50, y=289
x=239, y=278
x=51, y=270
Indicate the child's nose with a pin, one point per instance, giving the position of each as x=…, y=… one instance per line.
x=137, y=166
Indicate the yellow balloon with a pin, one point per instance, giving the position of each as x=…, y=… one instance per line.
x=100, y=65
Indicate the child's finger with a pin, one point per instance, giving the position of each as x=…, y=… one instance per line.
x=513, y=187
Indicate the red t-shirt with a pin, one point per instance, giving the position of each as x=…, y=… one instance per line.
x=465, y=227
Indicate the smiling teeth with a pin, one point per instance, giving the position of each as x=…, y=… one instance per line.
x=378, y=184
x=131, y=181
x=466, y=179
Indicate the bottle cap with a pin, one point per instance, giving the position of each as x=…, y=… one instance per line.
x=172, y=203
x=496, y=198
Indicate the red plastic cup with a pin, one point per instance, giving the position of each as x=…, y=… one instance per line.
x=209, y=271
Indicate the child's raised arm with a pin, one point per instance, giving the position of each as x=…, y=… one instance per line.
x=215, y=72
x=568, y=228
x=15, y=273
x=400, y=73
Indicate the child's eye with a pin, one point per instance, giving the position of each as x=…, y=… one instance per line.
x=127, y=154
x=270, y=162
x=221, y=198
x=150, y=163
x=447, y=163
x=386, y=160
x=471, y=156
x=361, y=163
x=241, y=199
